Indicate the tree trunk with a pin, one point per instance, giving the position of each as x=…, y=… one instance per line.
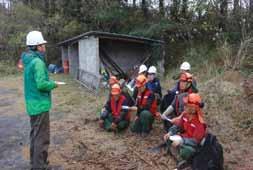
x=236, y=14
x=250, y=14
x=224, y=7
x=236, y=7
x=52, y=6
x=251, y=7
x=223, y=13
x=161, y=7
x=144, y=8
x=122, y=1
x=184, y=8
x=175, y=9
x=46, y=7
x=134, y=3
x=28, y=2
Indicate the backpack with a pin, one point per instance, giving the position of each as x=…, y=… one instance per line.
x=209, y=156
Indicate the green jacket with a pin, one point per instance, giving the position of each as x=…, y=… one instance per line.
x=37, y=86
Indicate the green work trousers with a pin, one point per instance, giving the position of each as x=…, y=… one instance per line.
x=123, y=124
x=143, y=124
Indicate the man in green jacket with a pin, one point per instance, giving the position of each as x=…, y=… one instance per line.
x=37, y=92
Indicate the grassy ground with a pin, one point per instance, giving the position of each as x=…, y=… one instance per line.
x=78, y=143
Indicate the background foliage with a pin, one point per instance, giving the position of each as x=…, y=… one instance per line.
x=193, y=30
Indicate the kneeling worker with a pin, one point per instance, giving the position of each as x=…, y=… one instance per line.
x=146, y=107
x=188, y=130
x=177, y=106
x=115, y=115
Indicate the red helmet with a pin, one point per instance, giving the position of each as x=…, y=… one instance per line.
x=193, y=99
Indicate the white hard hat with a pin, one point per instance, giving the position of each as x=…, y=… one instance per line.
x=152, y=70
x=185, y=66
x=142, y=68
x=34, y=38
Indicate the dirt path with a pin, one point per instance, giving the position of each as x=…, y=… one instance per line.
x=78, y=144
x=14, y=127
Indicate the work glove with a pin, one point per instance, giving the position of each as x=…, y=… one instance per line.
x=202, y=105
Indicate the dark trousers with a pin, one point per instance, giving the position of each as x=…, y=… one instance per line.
x=166, y=101
x=144, y=123
x=39, y=141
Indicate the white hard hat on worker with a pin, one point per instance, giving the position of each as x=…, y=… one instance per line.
x=152, y=70
x=185, y=66
x=142, y=69
x=35, y=38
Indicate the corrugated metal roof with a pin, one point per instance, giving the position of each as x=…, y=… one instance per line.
x=107, y=35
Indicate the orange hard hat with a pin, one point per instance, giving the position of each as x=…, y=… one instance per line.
x=186, y=77
x=113, y=80
x=141, y=80
x=115, y=89
x=193, y=99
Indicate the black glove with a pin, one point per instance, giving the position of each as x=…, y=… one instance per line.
x=202, y=105
x=139, y=110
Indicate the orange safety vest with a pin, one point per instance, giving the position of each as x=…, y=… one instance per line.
x=193, y=129
x=142, y=101
x=116, y=108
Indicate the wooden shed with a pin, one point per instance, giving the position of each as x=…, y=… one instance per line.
x=91, y=52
